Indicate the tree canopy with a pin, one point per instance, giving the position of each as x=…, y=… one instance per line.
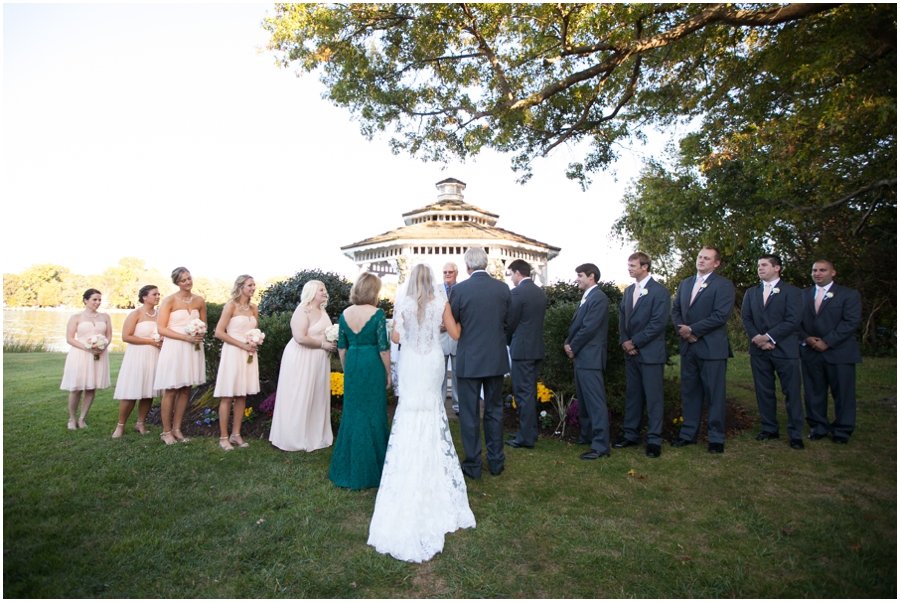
x=453, y=79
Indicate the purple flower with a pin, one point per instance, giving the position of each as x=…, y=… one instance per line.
x=572, y=413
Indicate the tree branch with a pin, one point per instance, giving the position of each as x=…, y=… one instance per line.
x=492, y=58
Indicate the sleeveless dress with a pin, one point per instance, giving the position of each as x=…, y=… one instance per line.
x=135, y=380
x=180, y=365
x=423, y=492
x=302, y=417
x=237, y=378
x=82, y=371
x=362, y=437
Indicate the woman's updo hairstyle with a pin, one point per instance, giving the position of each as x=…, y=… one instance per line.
x=91, y=291
x=145, y=290
x=176, y=274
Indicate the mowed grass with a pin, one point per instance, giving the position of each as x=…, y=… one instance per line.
x=88, y=516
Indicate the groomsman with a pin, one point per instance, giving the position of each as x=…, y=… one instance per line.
x=700, y=312
x=771, y=315
x=525, y=336
x=480, y=305
x=586, y=344
x=829, y=353
x=643, y=315
x=448, y=345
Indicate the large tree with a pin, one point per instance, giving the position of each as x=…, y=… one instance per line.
x=452, y=79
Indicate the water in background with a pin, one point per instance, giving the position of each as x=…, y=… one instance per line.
x=49, y=325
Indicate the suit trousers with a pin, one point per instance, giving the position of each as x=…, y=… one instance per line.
x=818, y=377
x=765, y=367
x=524, y=385
x=469, y=389
x=454, y=391
x=702, y=379
x=592, y=412
x=643, y=384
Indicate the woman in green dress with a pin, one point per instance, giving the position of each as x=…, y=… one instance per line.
x=366, y=357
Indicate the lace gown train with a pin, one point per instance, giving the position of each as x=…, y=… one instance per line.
x=422, y=495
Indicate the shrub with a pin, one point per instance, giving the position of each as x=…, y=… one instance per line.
x=284, y=296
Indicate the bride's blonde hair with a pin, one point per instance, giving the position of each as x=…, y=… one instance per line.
x=421, y=288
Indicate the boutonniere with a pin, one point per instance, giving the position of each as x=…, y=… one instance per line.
x=775, y=291
x=644, y=292
x=702, y=286
x=829, y=295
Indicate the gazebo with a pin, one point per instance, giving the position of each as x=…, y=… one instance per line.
x=443, y=231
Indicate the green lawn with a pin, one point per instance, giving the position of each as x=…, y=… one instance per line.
x=88, y=516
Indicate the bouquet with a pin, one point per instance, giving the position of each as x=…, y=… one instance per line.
x=389, y=326
x=331, y=333
x=195, y=327
x=254, y=335
x=155, y=336
x=96, y=341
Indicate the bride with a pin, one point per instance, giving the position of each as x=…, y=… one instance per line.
x=422, y=494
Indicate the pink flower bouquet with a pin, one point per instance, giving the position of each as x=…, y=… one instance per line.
x=195, y=327
x=96, y=341
x=254, y=335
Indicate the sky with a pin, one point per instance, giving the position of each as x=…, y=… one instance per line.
x=166, y=132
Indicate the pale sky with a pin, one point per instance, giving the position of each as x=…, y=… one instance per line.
x=166, y=132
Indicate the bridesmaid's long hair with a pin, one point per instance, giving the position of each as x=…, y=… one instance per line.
x=309, y=292
x=238, y=285
x=421, y=288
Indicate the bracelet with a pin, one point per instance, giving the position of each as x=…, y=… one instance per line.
x=322, y=345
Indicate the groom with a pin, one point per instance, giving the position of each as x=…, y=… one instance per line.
x=480, y=305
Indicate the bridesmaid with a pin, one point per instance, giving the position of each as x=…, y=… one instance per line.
x=236, y=378
x=366, y=356
x=180, y=365
x=83, y=372
x=138, y=371
x=302, y=417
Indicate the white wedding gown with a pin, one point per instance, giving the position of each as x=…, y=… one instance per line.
x=422, y=495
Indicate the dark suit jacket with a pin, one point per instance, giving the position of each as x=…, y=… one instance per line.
x=587, y=333
x=707, y=317
x=480, y=305
x=644, y=323
x=835, y=324
x=525, y=321
x=779, y=318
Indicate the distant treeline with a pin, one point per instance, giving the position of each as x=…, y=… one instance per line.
x=52, y=285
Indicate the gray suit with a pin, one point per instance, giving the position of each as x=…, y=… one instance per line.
x=587, y=339
x=644, y=324
x=834, y=368
x=480, y=305
x=448, y=345
x=703, y=363
x=778, y=318
x=525, y=335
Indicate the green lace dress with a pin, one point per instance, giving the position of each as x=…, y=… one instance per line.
x=363, y=434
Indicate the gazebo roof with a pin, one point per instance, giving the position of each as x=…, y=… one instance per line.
x=450, y=205
x=437, y=230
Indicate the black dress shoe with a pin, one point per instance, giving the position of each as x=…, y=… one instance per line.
x=716, y=448
x=512, y=436
x=583, y=442
x=497, y=474
x=512, y=443
x=815, y=436
x=682, y=442
x=593, y=455
x=797, y=444
x=764, y=436
x=625, y=443
x=841, y=440
x=653, y=450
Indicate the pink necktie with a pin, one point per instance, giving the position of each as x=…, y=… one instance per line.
x=766, y=293
x=696, y=289
x=637, y=295
x=820, y=294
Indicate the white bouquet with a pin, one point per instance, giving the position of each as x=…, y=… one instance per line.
x=254, y=335
x=195, y=327
x=155, y=336
x=331, y=333
x=96, y=341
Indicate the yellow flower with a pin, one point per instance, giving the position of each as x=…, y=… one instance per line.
x=337, y=383
x=543, y=393
x=247, y=412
